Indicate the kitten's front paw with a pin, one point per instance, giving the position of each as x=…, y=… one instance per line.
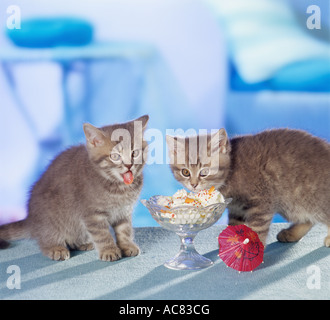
x=130, y=250
x=57, y=253
x=110, y=254
x=86, y=247
x=235, y=222
x=327, y=241
x=286, y=235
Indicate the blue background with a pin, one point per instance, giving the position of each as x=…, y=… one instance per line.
x=187, y=64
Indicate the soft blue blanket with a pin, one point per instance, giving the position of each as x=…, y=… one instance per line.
x=289, y=271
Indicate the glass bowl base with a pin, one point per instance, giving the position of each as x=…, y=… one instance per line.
x=188, y=261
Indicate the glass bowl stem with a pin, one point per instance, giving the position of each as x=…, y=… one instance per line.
x=188, y=258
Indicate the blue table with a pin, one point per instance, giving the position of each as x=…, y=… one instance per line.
x=74, y=59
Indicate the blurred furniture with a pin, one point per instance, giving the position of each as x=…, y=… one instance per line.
x=279, y=74
x=72, y=59
x=252, y=108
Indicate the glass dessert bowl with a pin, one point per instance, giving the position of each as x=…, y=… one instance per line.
x=186, y=221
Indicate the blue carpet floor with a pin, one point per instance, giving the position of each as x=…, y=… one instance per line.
x=290, y=271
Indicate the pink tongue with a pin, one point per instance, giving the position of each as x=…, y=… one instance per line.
x=128, y=177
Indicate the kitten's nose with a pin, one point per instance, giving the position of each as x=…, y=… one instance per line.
x=194, y=185
x=128, y=166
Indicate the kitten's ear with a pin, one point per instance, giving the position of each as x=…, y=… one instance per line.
x=144, y=119
x=175, y=143
x=219, y=141
x=170, y=141
x=176, y=149
x=94, y=136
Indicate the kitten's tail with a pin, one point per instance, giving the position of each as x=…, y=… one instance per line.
x=13, y=231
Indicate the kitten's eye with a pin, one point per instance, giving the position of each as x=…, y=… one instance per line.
x=204, y=172
x=136, y=153
x=115, y=156
x=185, y=172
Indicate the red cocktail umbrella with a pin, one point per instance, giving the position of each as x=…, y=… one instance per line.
x=240, y=248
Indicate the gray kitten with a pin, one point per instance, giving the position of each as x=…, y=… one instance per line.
x=84, y=191
x=284, y=171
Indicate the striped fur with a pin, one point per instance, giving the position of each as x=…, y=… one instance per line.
x=284, y=171
x=82, y=194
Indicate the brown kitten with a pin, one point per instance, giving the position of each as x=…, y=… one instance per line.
x=284, y=171
x=85, y=190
